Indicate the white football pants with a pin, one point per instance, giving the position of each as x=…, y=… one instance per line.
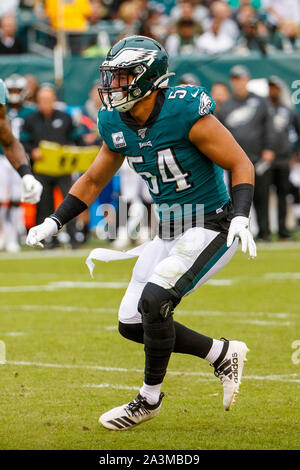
x=183, y=264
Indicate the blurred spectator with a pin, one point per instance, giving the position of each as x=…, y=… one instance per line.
x=96, y=12
x=185, y=41
x=52, y=125
x=30, y=4
x=220, y=93
x=279, y=10
x=8, y=6
x=154, y=22
x=236, y=4
x=187, y=9
x=213, y=40
x=247, y=117
x=32, y=89
x=253, y=37
x=220, y=30
x=9, y=43
x=129, y=13
x=71, y=17
x=189, y=79
x=220, y=14
x=245, y=13
x=89, y=115
x=284, y=118
x=287, y=37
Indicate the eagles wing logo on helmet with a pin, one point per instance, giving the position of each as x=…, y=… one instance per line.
x=128, y=56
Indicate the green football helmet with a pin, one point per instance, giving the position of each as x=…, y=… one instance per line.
x=132, y=70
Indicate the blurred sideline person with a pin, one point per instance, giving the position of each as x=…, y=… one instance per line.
x=51, y=125
x=135, y=225
x=189, y=79
x=90, y=136
x=247, y=117
x=32, y=89
x=89, y=115
x=285, y=120
x=9, y=43
x=28, y=188
x=177, y=146
x=220, y=93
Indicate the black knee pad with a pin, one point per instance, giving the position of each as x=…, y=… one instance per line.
x=157, y=304
x=132, y=331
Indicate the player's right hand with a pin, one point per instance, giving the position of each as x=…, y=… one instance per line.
x=40, y=232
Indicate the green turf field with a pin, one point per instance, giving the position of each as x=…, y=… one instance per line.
x=67, y=364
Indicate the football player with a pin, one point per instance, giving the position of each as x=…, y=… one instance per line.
x=10, y=182
x=171, y=138
x=14, y=152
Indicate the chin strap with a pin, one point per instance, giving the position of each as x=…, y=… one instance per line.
x=160, y=80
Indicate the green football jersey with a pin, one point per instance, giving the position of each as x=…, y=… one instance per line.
x=176, y=172
x=3, y=93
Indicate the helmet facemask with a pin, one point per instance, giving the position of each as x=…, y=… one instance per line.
x=126, y=91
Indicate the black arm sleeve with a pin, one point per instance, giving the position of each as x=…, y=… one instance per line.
x=24, y=170
x=68, y=209
x=242, y=196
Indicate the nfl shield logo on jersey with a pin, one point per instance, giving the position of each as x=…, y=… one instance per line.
x=142, y=132
x=118, y=139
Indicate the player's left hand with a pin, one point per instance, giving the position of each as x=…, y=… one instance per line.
x=31, y=189
x=239, y=227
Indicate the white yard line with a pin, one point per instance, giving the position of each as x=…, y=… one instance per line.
x=13, y=333
x=42, y=254
x=276, y=378
x=221, y=282
x=65, y=253
x=282, y=276
x=53, y=286
x=212, y=313
x=267, y=323
x=105, y=385
x=62, y=308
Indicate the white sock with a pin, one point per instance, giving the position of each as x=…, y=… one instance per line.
x=2, y=221
x=10, y=229
x=215, y=351
x=151, y=393
x=16, y=217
